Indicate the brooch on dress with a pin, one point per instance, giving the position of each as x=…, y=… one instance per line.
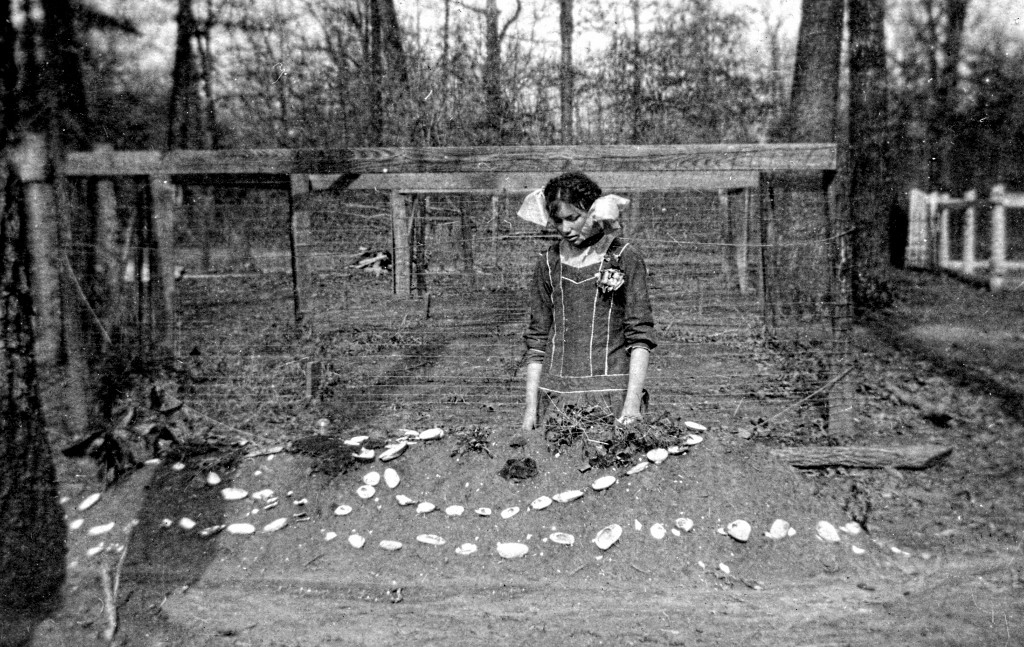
x=611, y=278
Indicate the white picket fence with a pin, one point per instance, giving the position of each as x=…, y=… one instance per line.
x=929, y=240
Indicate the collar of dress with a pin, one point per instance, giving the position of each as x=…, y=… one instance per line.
x=576, y=257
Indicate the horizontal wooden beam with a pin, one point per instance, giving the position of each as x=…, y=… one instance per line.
x=524, y=182
x=485, y=159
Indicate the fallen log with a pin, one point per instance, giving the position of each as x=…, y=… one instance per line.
x=908, y=457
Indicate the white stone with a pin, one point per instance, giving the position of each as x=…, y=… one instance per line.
x=364, y=455
x=779, y=529
x=604, y=482
x=433, y=433
x=262, y=495
x=695, y=426
x=356, y=541
x=356, y=441
x=365, y=491
x=391, y=478
x=328, y=536
x=276, y=524
x=95, y=550
x=89, y=501
x=684, y=523
x=693, y=439
x=186, y=523
x=342, y=510
x=541, y=502
x=852, y=528
x=240, y=529
x=657, y=456
x=827, y=532
x=393, y=452
x=608, y=536
x=562, y=538
x=857, y=550
x=371, y=478
x=636, y=469
x=567, y=496
x=234, y=494
x=657, y=531
x=454, y=510
x=724, y=568
x=213, y=478
x=177, y=467
x=101, y=529
x=676, y=449
x=76, y=524
x=637, y=526
x=512, y=550
x=508, y=513
x=676, y=532
x=432, y=540
x=389, y=544
x=425, y=507
x=483, y=512
x=466, y=549
x=404, y=500
x=738, y=530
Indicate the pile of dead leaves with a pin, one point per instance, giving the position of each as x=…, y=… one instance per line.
x=604, y=442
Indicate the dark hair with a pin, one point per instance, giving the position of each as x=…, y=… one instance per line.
x=573, y=188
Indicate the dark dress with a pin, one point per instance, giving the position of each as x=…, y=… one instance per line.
x=584, y=335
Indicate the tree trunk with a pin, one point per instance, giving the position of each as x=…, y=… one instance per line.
x=871, y=192
x=493, y=115
x=566, y=71
x=812, y=114
x=33, y=541
x=945, y=60
x=184, y=121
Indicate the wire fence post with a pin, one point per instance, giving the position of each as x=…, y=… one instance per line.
x=970, y=225
x=299, y=238
x=162, y=192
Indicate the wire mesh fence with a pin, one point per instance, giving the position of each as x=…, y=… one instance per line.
x=751, y=316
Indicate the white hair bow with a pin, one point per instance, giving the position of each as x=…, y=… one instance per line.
x=605, y=209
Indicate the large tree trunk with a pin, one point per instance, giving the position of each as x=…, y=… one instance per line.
x=947, y=39
x=871, y=191
x=812, y=114
x=33, y=540
x=185, y=118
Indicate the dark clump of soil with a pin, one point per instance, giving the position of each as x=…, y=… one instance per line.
x=329, y=456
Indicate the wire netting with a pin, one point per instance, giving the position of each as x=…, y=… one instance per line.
x=751, y=313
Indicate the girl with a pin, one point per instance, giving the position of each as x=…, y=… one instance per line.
x=591, y=328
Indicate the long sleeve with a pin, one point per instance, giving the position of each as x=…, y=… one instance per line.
x=538, y=333
x=639, y=319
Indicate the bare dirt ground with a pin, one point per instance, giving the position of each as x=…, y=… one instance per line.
x=941, y=563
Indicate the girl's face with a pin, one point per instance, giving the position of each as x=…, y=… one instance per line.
x=574, y=224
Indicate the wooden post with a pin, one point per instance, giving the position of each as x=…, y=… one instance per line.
x=466, y=245
x=943, y=231
x=969, y=232
x=742, y=240
x=840, y=394
x=726, y=235
x=298, y=218
x=30, y=163
x=401, y=228
x=106, y=266
x=161, y=191
x=997, y=267
x=495, y=223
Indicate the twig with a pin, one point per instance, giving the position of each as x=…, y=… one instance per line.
x=580, y=568
x=638, y=569
x=824, y=387
x=313, y=560
x=85, y=300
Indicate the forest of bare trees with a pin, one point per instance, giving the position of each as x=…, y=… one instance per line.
x=916, y=93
